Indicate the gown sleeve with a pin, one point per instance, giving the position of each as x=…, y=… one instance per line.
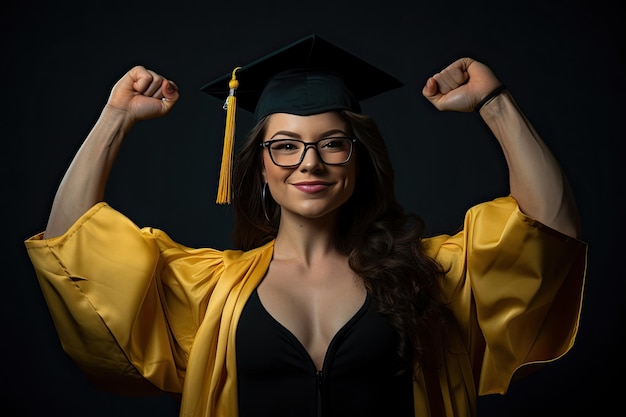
x=515, y=288
x=126, y=302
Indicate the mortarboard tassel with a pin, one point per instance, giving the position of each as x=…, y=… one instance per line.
x=223, y=191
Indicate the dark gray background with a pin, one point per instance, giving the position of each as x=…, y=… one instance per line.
x=562, y=60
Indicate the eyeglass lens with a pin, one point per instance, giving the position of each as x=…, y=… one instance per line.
x=290, y=152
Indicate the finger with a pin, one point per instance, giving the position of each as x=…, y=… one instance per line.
x=153, y=89
x=142, y=79
x=443, y=83
x=451, y=78
x=430, y=89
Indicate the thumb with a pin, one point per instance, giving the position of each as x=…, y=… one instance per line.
x=170, y=93
x=431, y=89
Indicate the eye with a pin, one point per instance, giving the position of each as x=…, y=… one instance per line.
x=335, y=144
x=285, y=145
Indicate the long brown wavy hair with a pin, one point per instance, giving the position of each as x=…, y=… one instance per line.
x=382, y=240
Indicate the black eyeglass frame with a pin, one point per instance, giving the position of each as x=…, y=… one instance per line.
x=308, y=145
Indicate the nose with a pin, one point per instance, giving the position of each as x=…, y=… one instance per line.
x=311, y=160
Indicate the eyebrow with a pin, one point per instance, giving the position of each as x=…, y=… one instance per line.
x=297, y=136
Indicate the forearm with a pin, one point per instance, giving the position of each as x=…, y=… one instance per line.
x=84, y=182
x=536, y=179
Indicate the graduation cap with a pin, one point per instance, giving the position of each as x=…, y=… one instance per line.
x=306, y=77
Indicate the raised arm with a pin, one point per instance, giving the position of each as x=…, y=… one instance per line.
x=140, y=94
x=536, y=179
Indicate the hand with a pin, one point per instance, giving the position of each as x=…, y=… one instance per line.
x=143, y=94
x=460, y=86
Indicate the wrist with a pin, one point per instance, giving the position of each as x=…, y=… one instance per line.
x=112, y=115
x=489, y=97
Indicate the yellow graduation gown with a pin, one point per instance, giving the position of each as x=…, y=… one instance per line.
x=137, y=311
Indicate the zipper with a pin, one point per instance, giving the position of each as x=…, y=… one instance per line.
x=319, y=376
x=328, y=356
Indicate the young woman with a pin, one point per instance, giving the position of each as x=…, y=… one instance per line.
x=334, y=302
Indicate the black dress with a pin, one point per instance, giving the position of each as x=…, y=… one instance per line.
x=362, y=374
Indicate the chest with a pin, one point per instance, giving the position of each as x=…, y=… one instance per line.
x=312, y=308
x=360, y=374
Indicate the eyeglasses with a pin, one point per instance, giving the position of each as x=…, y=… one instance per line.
x=289, y=153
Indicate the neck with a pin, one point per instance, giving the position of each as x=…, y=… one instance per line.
x=306, y=239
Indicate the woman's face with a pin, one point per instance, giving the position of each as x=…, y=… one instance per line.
x=312, y=189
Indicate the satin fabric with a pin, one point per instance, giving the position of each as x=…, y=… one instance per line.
x=137, y=311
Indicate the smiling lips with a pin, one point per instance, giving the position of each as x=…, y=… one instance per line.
x=311, y=186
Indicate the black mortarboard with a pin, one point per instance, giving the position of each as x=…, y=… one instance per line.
x=306, y=77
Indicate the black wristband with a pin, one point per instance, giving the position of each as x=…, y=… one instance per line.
x=489, y=97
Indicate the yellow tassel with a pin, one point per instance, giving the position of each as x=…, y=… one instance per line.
x=223, y=190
